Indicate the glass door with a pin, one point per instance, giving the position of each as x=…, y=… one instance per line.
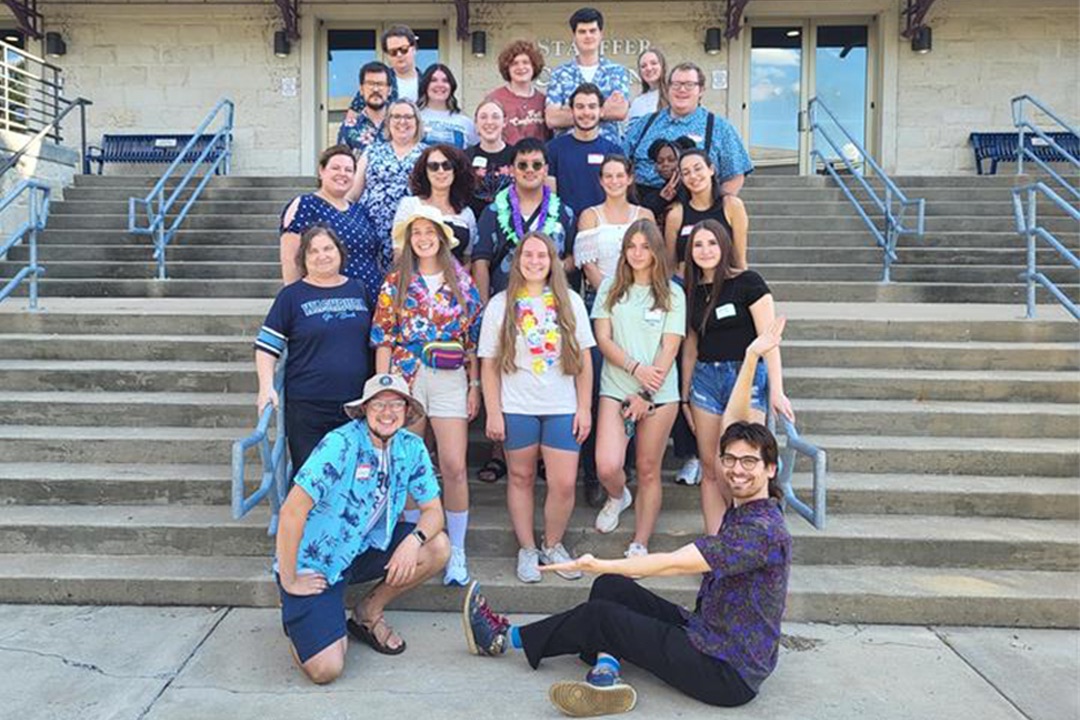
x=347, y=49
x=791, y=62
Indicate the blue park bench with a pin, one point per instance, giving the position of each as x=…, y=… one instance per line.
x=1004, y=146
x=155, y=148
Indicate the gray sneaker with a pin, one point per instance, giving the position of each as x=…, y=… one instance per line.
x=583, y=699
x=608, y=517
x=528, y=565
x=558, y=554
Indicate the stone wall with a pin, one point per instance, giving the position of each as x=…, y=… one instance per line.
x=53, y=165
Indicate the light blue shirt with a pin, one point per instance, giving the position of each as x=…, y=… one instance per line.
x=728, y=152
x=610, y=78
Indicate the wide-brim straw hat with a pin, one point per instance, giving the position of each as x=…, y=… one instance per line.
x=377, y=384
x=426, y=212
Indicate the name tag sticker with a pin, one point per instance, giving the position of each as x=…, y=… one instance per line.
x=654, y=315
x=685, y=230
x=696, y=138
x=479, y=161
x=725, y=311
x=595, y=158
x=363, y=472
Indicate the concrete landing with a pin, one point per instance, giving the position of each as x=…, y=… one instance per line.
x=166, y=663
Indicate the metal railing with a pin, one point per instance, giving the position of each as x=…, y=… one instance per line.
x=80, y=103
x=38, y=207
x=157, y=206
x=274, y=479
x=894, y=205
x=815, y=512
x=30, y=92
x=1026, y=200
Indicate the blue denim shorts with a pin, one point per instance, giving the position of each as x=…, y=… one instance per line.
x=553, y=431
x=315, y=622
x=712, y=383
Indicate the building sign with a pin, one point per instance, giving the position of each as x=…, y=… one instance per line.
x=624, y=51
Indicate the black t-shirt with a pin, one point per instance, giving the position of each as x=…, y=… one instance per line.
x=730, y=328
x=492, y=172
x=691, y=217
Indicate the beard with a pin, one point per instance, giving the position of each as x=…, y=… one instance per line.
x=375, y=102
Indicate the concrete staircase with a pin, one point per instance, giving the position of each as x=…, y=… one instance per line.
x=952, y=430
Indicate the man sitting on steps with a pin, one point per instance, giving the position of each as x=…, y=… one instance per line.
x=340, y=525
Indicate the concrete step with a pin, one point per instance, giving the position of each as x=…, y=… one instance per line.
x=194, y=348
x=1034, y=498
x=125, y=409
x=864, y=594
x=147, y=182
x=988, y=543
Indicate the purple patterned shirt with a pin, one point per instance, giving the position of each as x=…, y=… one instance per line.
x=741, y=599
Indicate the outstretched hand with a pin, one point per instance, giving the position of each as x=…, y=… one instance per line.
x=769, y=339
x=585, y=563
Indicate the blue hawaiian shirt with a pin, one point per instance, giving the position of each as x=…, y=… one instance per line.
x=360, y=133
x=353, y=490
x=610, y=77
x=728, y=152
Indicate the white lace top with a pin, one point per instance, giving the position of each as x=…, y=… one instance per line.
x=603, y=243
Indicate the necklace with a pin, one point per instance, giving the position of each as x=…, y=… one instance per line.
x=508, y=213
x=541, y=333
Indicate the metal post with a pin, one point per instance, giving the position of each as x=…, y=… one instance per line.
x=33, y=203
x=1029, y=228
x=1020, y=140
x=82, y=127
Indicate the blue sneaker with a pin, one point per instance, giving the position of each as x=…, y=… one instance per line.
x=485, y=630
x=603, y=676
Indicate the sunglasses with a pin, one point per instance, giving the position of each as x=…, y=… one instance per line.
x=398, y=52
x=436, y=165
x=524, y=165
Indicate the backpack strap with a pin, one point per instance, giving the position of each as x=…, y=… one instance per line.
x=644, y=132
x=709, y=124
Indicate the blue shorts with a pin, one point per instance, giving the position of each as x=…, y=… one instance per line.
x=712, y=383
x=553, y=431
x=315, y=622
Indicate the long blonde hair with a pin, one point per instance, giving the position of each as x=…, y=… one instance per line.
x=406, y=267
x=570, y=352
x=659, y=273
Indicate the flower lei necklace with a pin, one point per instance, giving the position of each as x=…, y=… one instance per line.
x=508, y=213
x=541, y=333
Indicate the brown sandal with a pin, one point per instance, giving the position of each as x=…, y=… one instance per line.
x=367, y=635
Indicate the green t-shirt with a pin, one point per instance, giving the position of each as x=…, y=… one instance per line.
x=637, y=328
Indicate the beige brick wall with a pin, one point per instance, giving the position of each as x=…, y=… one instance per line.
x=984, y=54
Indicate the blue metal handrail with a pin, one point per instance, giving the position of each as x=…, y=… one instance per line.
x=894, y=197
x=156, y=206
x=274, y=480
x=1027, y=224
x=796, y=445
x=1025, y=125
x=38, y=196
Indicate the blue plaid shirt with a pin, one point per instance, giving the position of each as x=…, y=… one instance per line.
x=610, y=78
x=728, y=152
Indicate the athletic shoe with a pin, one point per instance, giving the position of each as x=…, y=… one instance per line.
x=608, y=517
x=558, y=554
x=584, y=699
x=636, y=549
x=528, y=566
x=485, y=631
x=689, y=473
x=457, y=572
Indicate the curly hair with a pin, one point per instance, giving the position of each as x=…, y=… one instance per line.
x=461, y=189
x=520, y=47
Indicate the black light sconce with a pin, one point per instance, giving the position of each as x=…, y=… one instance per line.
x=55, y=45
x=479, y=43
x=712, y=41
x=922, y=40
x=281, y=44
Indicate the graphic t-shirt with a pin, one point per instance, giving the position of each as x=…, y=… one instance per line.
x=493, y=172
x=524, y=115
x=442, y=126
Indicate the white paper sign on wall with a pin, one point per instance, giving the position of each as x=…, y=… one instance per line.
x=719, y=79
x=288, y=87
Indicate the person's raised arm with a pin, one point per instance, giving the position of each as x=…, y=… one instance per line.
x=359, y=179
x=764, y=313
x=738, y=408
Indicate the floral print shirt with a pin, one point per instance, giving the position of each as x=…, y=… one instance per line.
x=424, y=317
x=610, y=77
x=386, y=181
x=742, y=597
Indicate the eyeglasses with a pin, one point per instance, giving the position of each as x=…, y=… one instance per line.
x=684, y=85
x=436, y=165
x=524, y=165
x=402, y=118
x=398, y=52
x=380, y=405
x=376, y=85
x=748, y=462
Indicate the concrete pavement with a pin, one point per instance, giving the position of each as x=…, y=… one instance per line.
x=179, y=663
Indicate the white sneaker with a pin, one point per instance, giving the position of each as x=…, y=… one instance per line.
x=558, y=554
x=457, y=572
x=528, y=566
x=608, y=517
x=636, y=549
x=689, y=473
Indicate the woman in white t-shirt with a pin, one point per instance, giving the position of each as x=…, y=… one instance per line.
x=537, y=378
x=443, y=120
x=640, y=320
x=652, y=69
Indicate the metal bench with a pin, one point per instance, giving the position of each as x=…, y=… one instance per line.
x=154, y=148
x=1004, y=146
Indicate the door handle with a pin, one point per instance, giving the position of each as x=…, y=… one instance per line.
x=804, y=121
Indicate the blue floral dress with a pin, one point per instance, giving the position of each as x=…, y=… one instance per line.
x=386, y=182
x=370, y=252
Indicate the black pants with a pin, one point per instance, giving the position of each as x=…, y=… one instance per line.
x=624, y=619
x=306, y=421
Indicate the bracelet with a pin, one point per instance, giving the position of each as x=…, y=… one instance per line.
x=627, y=364
x=645, y=395
x=636, y=366
x=419, y=535
x=474, y=383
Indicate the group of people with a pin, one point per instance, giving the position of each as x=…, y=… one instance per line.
x=586, y=288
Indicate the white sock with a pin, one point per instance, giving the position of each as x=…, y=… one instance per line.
x=456, y=525
x=412, y=516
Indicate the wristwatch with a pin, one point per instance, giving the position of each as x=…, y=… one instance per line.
x=419, y=534
x=474, y=383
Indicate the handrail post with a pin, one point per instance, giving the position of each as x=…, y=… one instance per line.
x=82, y=128
x=1029, y=224
x=34, y=222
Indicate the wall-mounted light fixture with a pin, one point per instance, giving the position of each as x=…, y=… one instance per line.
x=281, y=44
x=922, y=40
x=712, y=41
x=479, y=43
x=55, y=45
